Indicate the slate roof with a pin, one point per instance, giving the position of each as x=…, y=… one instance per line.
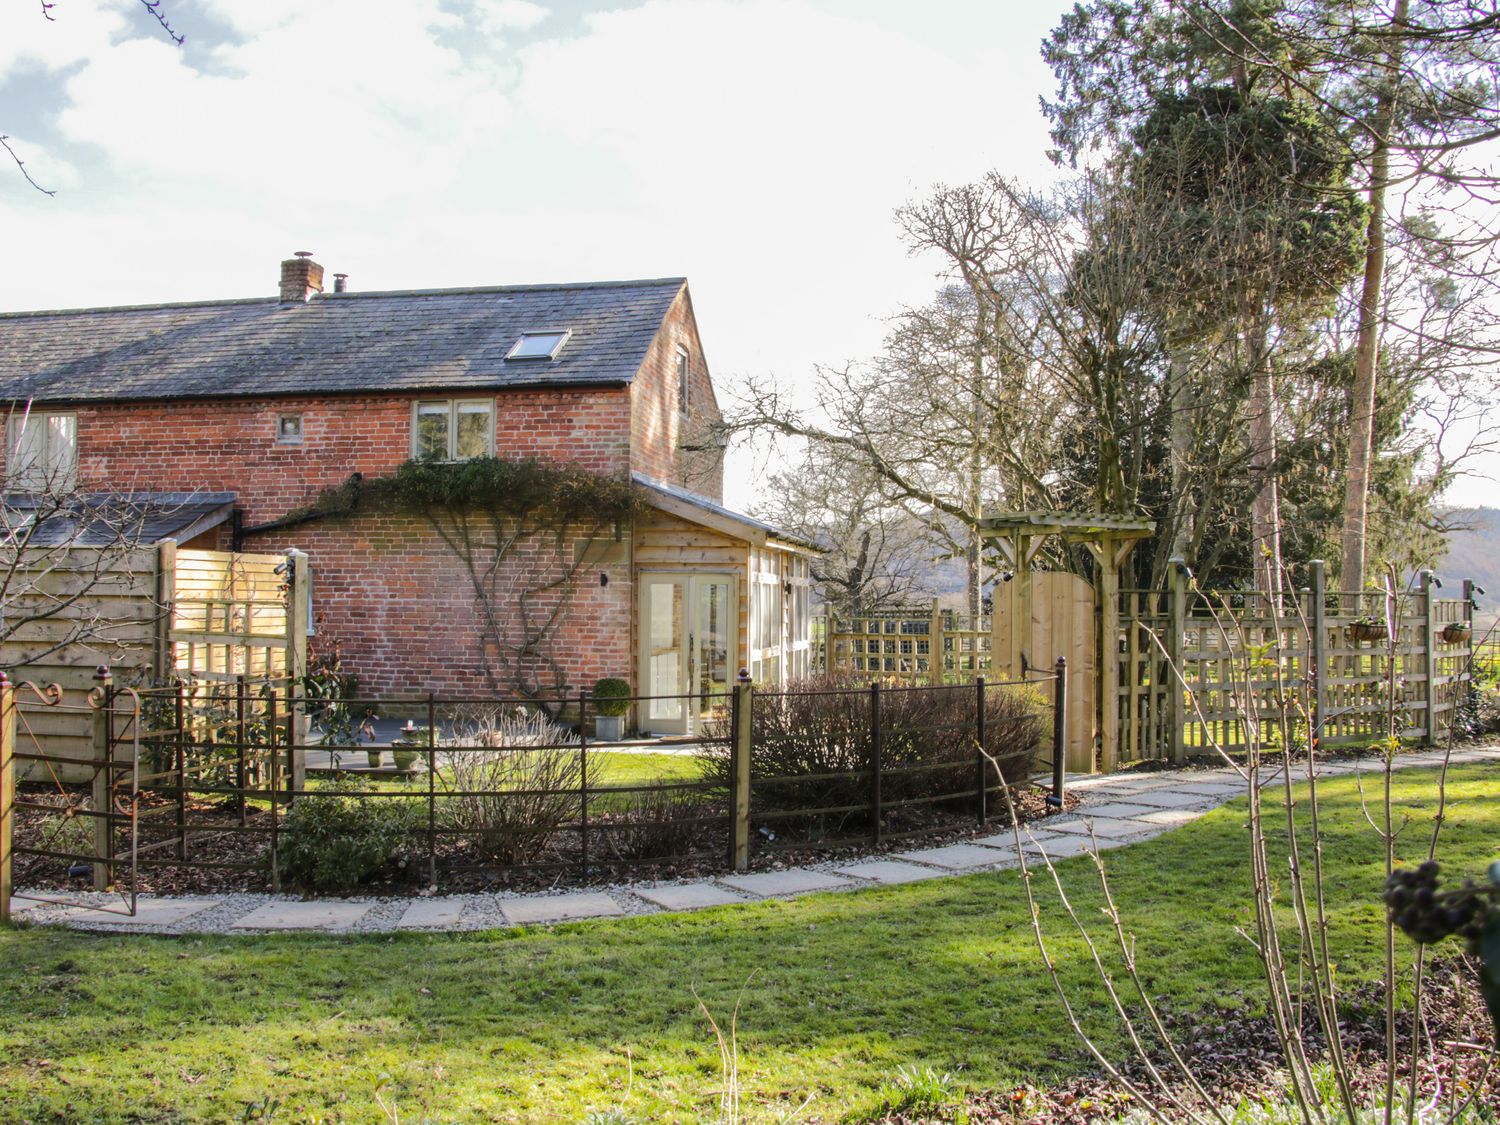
x=138, y=517
x=449, y=340
x=706, y=505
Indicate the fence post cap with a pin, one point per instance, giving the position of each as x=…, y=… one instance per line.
x=4, y=679
x=103, y=675
x=744, y=676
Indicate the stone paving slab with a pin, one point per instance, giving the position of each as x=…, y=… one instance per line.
x=148, y=912
x=687, y=896
x=1170, y=818
x=1112, y=829
x=432, y=914
x=559, y=908
x=958, y=857
x=773, y=884
x=1115, y=810
x=304, y=916
x=1168, y=799
x=1059, y=847
x=890, y=872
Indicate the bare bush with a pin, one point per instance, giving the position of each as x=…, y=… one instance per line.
x=512, y=780
x=660, y=823
x=824, y=727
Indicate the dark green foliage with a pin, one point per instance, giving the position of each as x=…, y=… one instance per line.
x=1421, y=909
x=335, y=843
x=611, y=697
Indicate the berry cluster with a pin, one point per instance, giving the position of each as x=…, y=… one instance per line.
x=1426, y=914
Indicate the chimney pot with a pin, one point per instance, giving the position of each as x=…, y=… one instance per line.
x=301, y=277
x=340, y=282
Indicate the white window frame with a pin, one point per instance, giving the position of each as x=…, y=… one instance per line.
x=454, y=406
x=684, y=381
x=30, y=478
x=562, y=335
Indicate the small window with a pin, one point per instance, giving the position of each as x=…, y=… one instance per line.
x=289, y=429
x=453, y=429
x=538, y=345
x=42, y=452
x=683, y=376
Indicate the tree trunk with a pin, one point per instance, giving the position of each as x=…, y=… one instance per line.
x=1367, y=345
x=1179, y=400
x=1265, y=507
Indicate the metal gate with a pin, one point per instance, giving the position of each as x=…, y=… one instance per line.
x=88, y=827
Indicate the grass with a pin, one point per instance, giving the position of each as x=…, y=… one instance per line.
x=549, y=1024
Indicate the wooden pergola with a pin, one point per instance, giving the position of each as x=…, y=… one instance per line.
x=1020, y=537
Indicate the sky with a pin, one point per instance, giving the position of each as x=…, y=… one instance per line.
x=758, y=147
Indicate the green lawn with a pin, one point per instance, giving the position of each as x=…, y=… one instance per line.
x=837, y=991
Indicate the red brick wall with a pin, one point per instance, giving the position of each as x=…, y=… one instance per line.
x=659, y=427
x=393, y=595
x=401, y=606
x=230, y=446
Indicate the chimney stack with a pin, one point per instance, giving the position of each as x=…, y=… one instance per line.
x=301, y=277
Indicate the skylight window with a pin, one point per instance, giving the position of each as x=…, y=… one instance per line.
x=538, y=345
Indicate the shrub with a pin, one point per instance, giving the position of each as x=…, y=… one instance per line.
x=611, y=697
x=514, y=780
x=659, y=823
x=333, y=843
x=823, y=725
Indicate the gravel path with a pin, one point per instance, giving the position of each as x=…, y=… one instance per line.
x=1121, y=808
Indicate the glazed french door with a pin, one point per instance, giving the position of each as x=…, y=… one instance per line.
x=687, y=648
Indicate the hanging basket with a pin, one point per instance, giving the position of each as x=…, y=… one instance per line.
x=1366, y=631
x=1457, y=633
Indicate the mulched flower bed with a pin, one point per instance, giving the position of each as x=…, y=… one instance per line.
x=1237, y=1056
x=216, y=838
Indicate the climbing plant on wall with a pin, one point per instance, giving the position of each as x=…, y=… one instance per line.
x=512, y=526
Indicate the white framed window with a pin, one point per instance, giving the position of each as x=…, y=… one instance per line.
x=684, y=381
x=539, y=345
x=289, y=429
x=41, y=451
x=453, y=429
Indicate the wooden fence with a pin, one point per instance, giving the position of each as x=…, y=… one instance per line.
x=150, y=613
x=909, y=646
x=1318, y=660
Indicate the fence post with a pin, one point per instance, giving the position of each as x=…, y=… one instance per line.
x=275, y=759
x=181, y=770
x=1177, y=597
x=583, y=780
x=1429, y=657
x=1059, y=729
x=739, y=773
x=981, y=806
x=875, y=748
x=1319, y=657
x=7, y=788
x=103, y=777
x=937, y=663
x=431, y=791
x=241, y=779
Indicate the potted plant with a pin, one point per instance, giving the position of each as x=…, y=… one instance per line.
x=372, y=755
x=1457, y=632
x=611, y=705
x=1367, y=629
x=406, y=748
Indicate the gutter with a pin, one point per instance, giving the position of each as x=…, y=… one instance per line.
x=239, y=532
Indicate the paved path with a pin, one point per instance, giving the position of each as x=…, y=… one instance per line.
x=1121, y=808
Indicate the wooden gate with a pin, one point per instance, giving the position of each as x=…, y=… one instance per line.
x=1061, y=624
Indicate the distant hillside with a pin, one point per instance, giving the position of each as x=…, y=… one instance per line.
x=1475, y=553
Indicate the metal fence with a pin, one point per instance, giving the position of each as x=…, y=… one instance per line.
x=202, y=781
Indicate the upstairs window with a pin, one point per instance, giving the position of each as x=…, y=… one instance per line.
x=538, y=345
x=453, y=429
x=683, y=377
x=42, y=452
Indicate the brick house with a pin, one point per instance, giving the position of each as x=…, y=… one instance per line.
x=273, y=400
